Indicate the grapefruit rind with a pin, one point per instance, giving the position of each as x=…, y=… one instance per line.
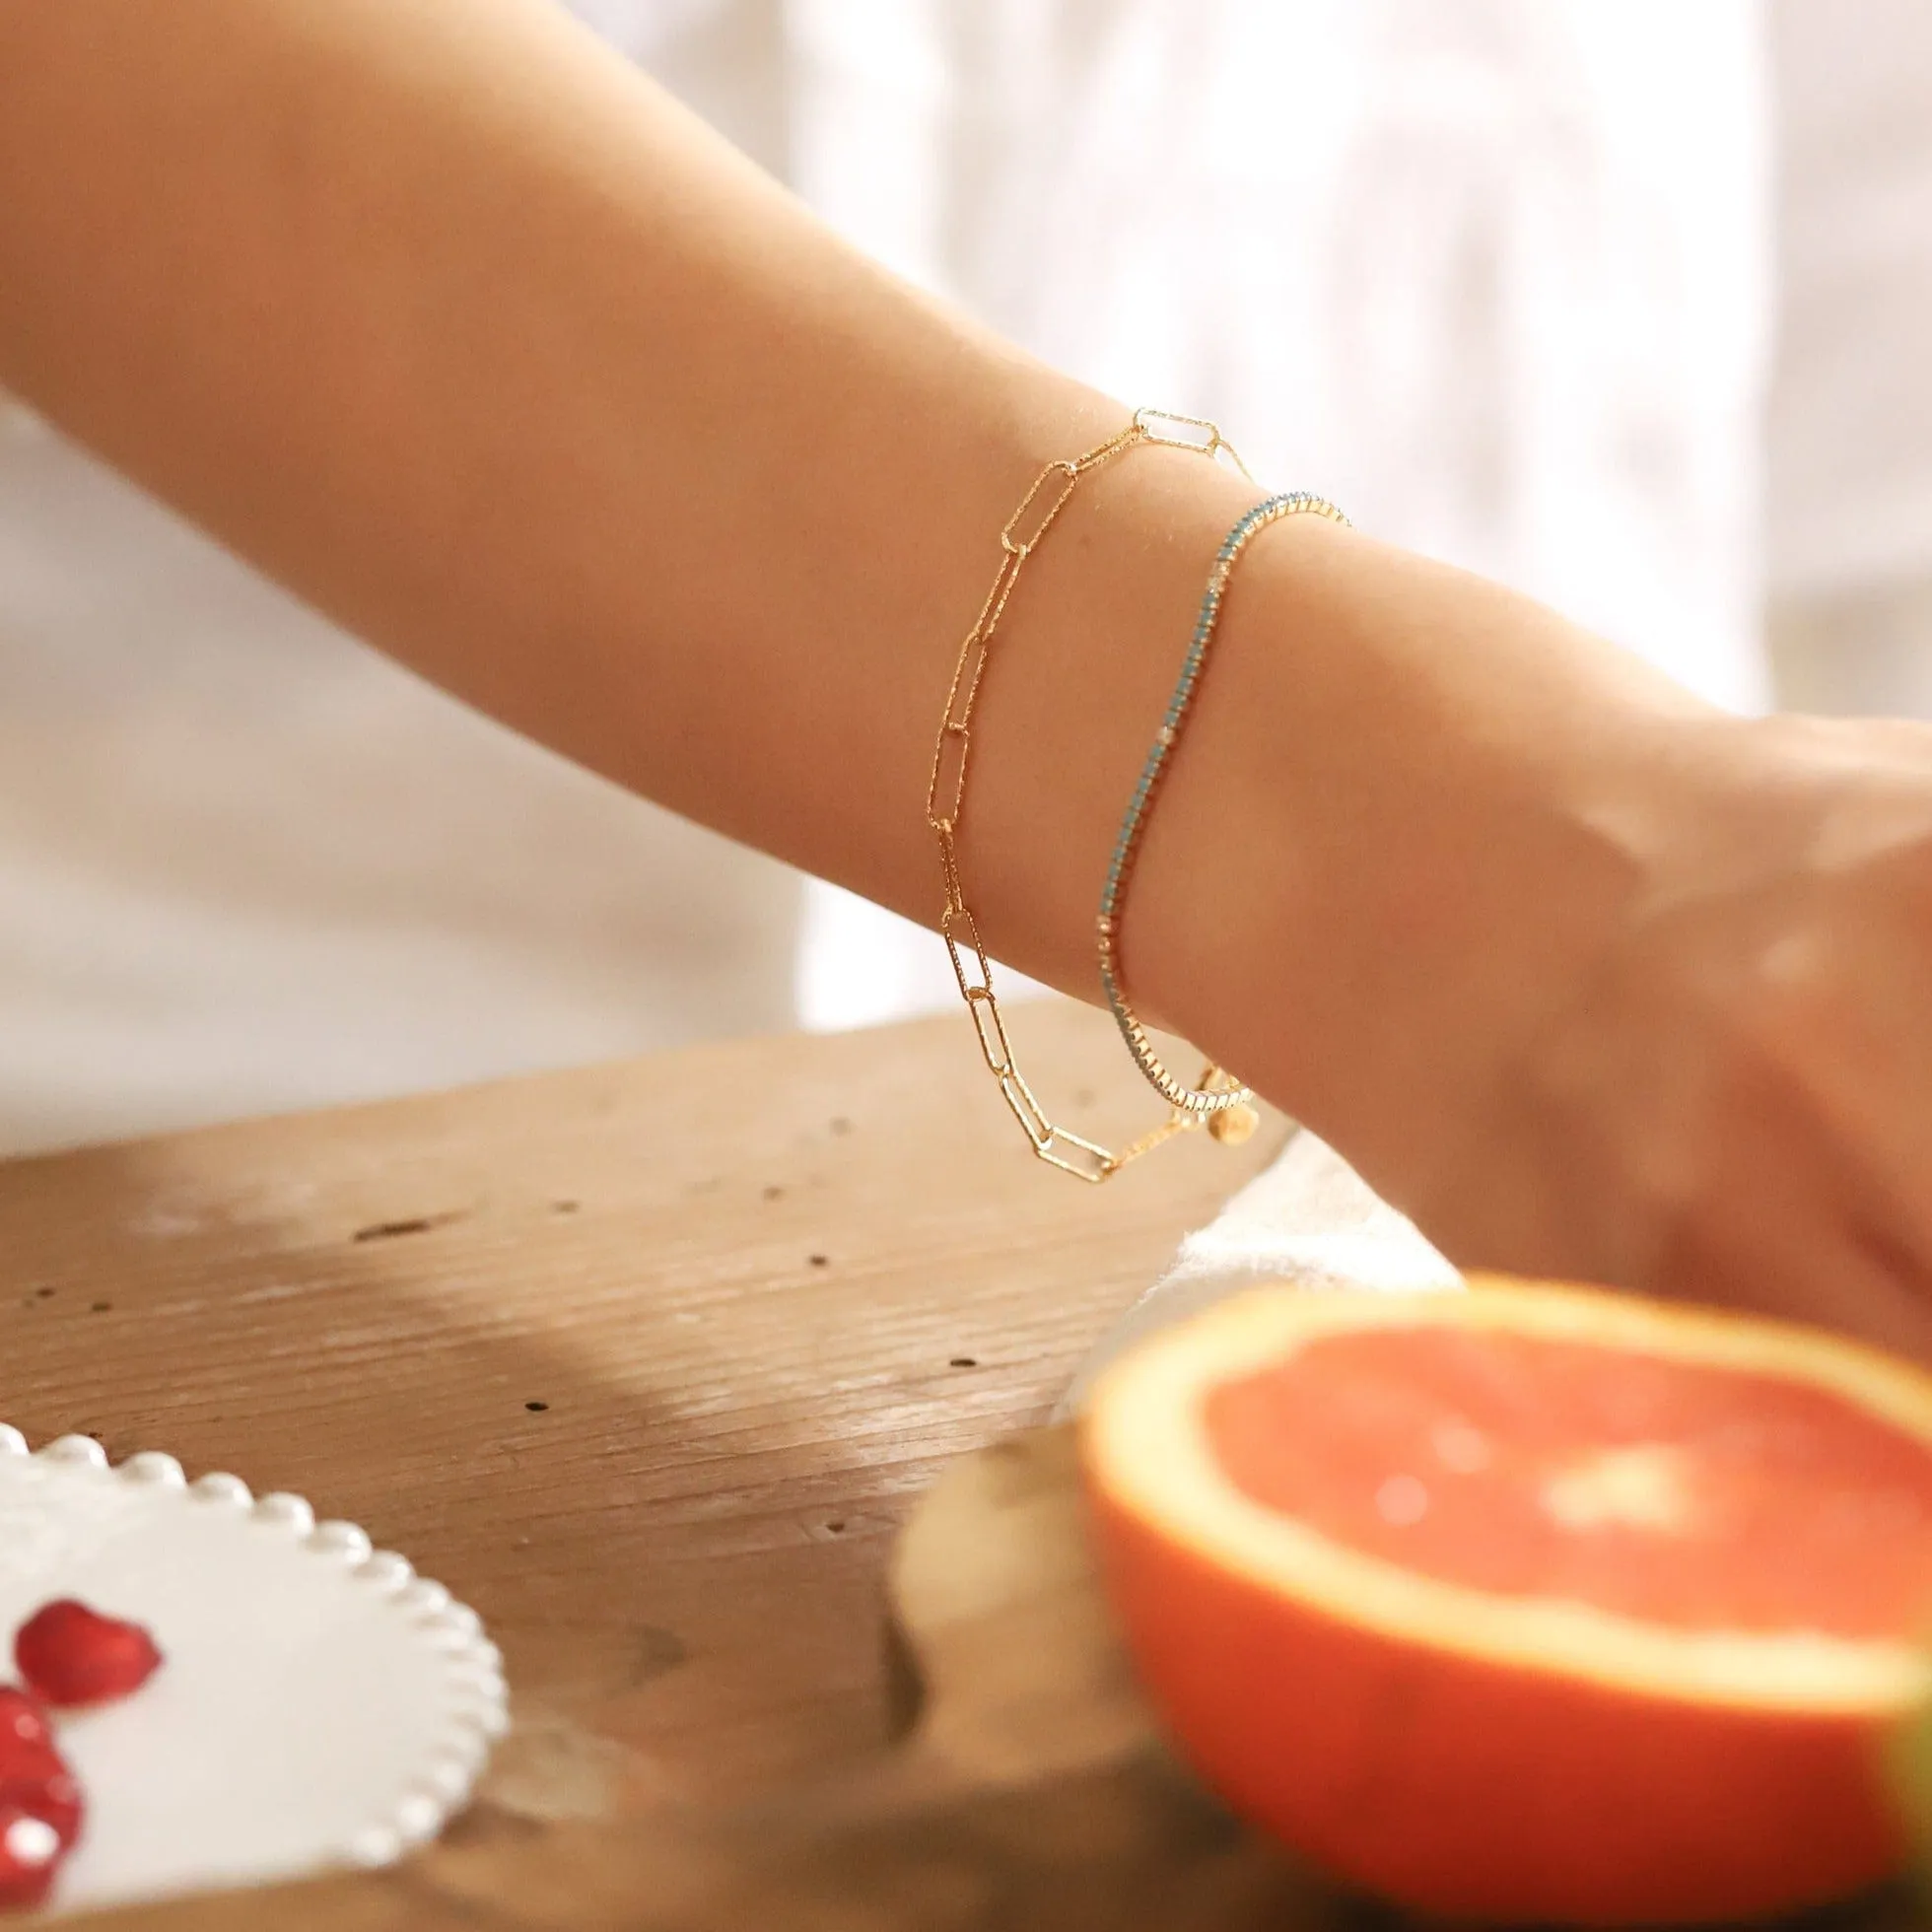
x=1147, y=1449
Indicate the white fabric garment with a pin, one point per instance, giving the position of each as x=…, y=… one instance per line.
x=1309, y=1220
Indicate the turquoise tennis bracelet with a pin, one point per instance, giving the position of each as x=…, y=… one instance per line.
x=1227, y=1104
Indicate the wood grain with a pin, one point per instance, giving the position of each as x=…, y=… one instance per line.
x=645, y=1361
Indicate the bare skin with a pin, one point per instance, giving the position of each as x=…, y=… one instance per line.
x=451, y=321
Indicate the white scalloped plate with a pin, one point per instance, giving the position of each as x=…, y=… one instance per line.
x=319, y=1703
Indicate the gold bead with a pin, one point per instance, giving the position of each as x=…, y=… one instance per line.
x=1233, y=1125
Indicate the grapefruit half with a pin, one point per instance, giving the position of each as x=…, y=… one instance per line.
x=1531, y=1602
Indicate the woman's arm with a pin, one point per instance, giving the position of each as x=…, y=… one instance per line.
x=446, y=317
x=449, y=320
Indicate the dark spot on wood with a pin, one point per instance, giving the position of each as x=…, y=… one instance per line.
x=774, y=1193
x=565, y=1207
x=964, y=1362
x=536, y=1407
x=840, y=1124
x=820, y=1260
x=835, y=1527
x=99, y=1307
x=44, y=1293
x=415, y=1225
x=658, y=1650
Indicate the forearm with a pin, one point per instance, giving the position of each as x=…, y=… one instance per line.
x=447, y=318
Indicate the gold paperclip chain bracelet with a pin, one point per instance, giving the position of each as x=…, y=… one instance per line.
x=1228, y=1115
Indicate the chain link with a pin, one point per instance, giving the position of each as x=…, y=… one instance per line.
x=945, y=799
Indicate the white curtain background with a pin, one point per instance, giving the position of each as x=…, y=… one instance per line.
x=1495, y=274
x=1849, y=553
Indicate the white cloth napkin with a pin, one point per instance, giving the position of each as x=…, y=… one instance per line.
x=1309, y=1219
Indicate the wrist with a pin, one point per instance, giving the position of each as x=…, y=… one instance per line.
x=1410, y=814
x=1074, y=689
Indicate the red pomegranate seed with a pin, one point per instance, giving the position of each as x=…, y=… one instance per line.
x=53, y=1796
x=31, y=1850
x=24, y=1728
x=33, y=1778
x=70, y=1654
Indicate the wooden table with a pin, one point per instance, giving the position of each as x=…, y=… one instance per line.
x=646, y=1362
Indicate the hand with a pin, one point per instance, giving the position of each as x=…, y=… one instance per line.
x=1594, y=982
x=1731, y=1099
